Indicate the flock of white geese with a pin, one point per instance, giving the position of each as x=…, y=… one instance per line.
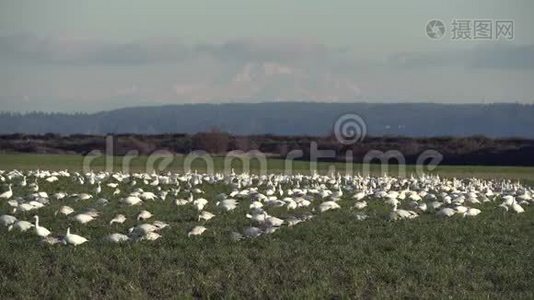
x=22, y=196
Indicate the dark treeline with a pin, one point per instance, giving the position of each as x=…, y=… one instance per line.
x=474, y=150
x=396, y=119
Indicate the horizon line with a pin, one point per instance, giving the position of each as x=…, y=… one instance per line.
x=267, y=102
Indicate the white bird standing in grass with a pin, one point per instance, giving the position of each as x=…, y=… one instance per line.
x=83, y=218
x=131, y=200
x=205, y=215
x=149, y=236
x=39, y=230
x=273, y=221
x=228, y=204
x=517, y=208
x=291, y=204
x=84, y=196
x=200, y=203
x=399, y=214
x=292, y=221
x=120, y=218
x=360, y=205
x=197, y=230
x=460, y=209
x=472, y=212
x=65, y=210
x=73, y=239
x=143, y=215
x=180, y=202
x=160, y=224
x=116, y=238
x=20, y=226
x=253, y=232
x=98, y=189
x=142, y=229
x=7, y=194
x=258, y=216
x=446, y=212
x=328, y=205
x=359, y=196
x=34, y=187
x=7, y=220
x=60, y=195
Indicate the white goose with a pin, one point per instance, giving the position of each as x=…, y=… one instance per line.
x=116, y=238
x=399, y=214
x=73, y=239
x=328, y=205
x=228, y=204
x=7, y=194
x=205, y=215
x=149, y=236
x=253, y=232
x=7, y=220
x=360, y=205
x=142, y=229
x=39, y=230
x=20, y=226
x=98, y=189
x=83, y=218
x=517, y=208
x=120, y=218
x=472, y=212
x=131, y=200
x=274, y=221
x=446, y=212
x=143, y=215
x=197, y=230
x=65, y=210
x=200, y=203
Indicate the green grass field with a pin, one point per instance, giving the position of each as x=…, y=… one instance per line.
x=331, y=256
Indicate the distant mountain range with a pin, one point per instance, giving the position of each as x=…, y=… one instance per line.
x=287, y=118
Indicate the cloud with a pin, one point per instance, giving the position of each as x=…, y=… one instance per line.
x=260, y=71
x=497, y=56
x=270, y=81
x=184, y=89
x=503, y=57
x=169, y=71
x=256, y=50
x=127, y=91
x=69, y=50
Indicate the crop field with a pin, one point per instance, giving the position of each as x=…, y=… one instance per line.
x=190, y=235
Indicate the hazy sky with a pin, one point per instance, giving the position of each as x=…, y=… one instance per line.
x=101, y=54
